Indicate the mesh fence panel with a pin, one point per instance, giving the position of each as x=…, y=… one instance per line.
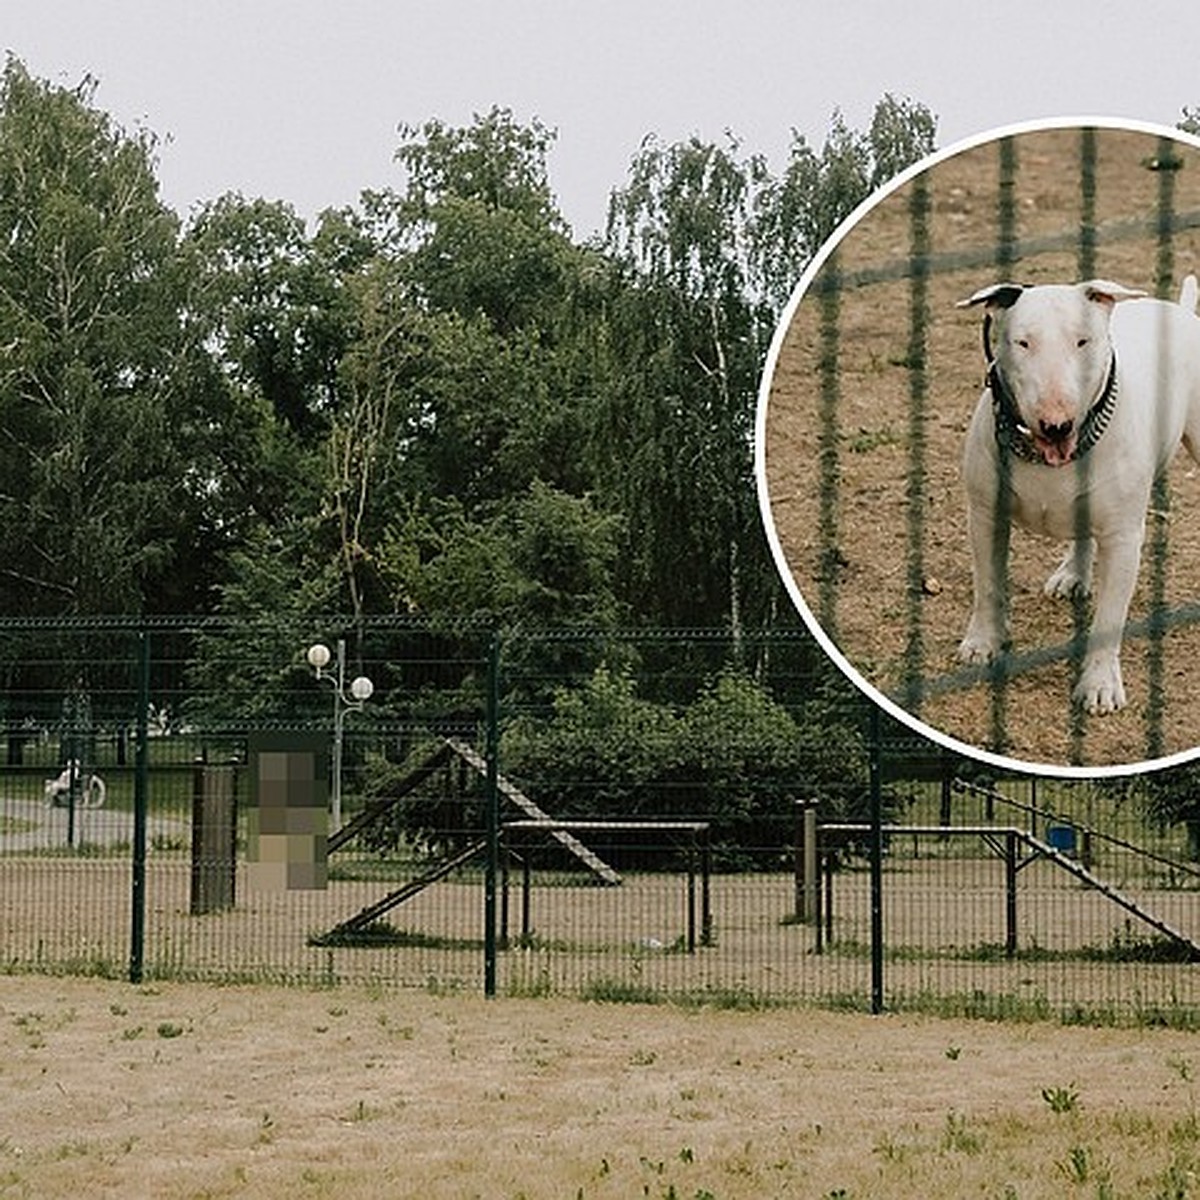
x=650, y=838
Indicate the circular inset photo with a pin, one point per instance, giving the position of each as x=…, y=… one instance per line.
x=977, y=446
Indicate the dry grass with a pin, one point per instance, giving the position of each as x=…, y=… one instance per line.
x=192, y=1091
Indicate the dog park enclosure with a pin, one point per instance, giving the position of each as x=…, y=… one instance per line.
x=873, y=388
x=676, y=885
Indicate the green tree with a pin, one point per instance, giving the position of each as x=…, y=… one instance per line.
x=459, y=394
x=730, y=754
x=674, y=431
x=1170, y=797
x=712, y=245
x=798, y=210
x=278, y=320
x=542, y=559
x=94, y=359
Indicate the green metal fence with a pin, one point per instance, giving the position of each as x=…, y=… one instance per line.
x=660, y=814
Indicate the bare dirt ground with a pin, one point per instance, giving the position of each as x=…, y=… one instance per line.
x=193, y=1091
x=871, y=602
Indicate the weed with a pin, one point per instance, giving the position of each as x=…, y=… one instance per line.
x=1128, y=946
x=531, y=986
x=1080, y=1167
x=363, y=1112
x=1061, y=1099
x=1177, y=1182
x=889, y=1149
x=383, y=933
x=71, y=1150
x=866, y=440
x=168, y=1029
x=619, y=991
x=958, y=1137
x=1182, y=1067
x=731, y=999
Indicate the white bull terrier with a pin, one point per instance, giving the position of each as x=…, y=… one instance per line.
x=1090, y=389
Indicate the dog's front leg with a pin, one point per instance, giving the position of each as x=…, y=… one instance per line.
x=987, y=630
x=1100, y=688
x=1073, y=576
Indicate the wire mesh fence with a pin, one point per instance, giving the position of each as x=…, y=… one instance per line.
x=644, y=815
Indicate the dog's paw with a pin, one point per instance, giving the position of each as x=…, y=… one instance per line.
x=1100, y=689
x=978, y=648
x=1066, y=582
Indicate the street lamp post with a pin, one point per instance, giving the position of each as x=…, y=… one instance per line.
x=360, y=692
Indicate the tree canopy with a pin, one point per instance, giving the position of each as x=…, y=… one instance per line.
x=436, y=400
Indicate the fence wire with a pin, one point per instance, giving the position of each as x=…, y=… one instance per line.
x=677, y=815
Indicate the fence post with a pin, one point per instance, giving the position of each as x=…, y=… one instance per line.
x=874, y=754
x=1010, y=894
x=492, y=752
x=807, y=871
x=137, y=933
x=214, y=837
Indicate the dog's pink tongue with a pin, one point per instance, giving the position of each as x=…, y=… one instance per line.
x=1056, y=454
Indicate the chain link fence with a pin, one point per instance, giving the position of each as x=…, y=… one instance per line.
x=654, y=815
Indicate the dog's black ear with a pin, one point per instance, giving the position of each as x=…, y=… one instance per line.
x=999, y=295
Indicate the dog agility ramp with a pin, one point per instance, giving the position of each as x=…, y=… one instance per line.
x=372, y=913
x=588, y=857
x=362, y=920
x=378, y=808
x=1038, y=849
x=1130, y=905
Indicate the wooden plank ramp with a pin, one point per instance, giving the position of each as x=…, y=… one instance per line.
x=1119, y=898
x=372, y=912
x=514, y=794
x=1043, y=850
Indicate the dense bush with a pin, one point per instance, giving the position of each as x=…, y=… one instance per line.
x=733, y=756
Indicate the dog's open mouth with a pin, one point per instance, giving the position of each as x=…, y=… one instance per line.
x=1058, y=451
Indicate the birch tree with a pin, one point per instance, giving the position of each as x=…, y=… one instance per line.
x=92, y=349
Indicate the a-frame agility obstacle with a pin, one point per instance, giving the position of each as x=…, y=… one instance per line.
x=450, y=749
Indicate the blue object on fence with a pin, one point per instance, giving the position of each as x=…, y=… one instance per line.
x=1061, y=838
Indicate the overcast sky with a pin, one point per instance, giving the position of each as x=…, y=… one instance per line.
x=300, y=100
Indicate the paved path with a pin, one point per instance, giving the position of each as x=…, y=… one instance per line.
x=40, y=827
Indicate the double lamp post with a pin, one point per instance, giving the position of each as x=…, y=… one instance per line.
x=361, y=689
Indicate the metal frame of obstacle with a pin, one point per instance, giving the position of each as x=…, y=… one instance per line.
x=1007, y=843
x=700, y=849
